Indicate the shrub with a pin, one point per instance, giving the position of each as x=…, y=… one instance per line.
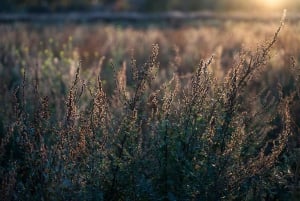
x=190, y=138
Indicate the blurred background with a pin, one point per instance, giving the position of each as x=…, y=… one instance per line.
x=44, y=42
x=145, y=5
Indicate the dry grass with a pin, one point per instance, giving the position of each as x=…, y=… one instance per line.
x=164, y=130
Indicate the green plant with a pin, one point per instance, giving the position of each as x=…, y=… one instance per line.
x=192, y=137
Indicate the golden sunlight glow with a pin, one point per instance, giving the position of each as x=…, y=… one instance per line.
x=271, y=4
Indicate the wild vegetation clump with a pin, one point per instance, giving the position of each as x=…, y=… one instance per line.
x=192, y=137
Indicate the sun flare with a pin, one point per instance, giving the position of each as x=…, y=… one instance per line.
x=271, y=4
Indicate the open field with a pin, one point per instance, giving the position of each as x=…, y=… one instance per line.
x=135, y=17
x=201, y=111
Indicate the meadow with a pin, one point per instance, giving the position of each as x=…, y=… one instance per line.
x=200, y=111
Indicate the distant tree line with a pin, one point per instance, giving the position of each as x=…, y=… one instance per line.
x=131, y=5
